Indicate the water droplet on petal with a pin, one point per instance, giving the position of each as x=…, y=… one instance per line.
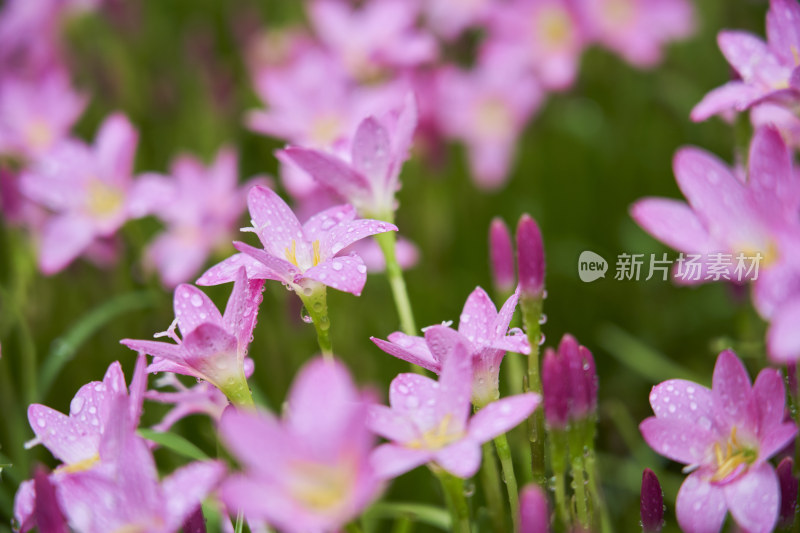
x=196, y=300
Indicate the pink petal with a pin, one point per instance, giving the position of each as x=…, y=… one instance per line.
x=783, y=335
x=348, y=274
x=329, y=171
x=673, y=223
x=165, y=350
x=769, y=397
x=152, y=193
x=345, y=234
x=678, y=440
x=63, y=239
x=192, y=308
x=372, y=151
x=186, y=488
x=441, y=341
x=412, y=349
x=478, y=317
x=316, y=226
x=770, y=173
x=227, y=270
x=278, y=269
x=415, y=396
x=69, y=440
x=241, y=310
x=252, y=437
x=700, y=505
x=505, y=315
x=115, y=148
x=212, y=352
x=455, y=386
x=753, y=499
x=775, y=439
x=391, y=460
x=678, y=399
x=390, y=424
x=275, y=224
x=462, y=458
x=783, y=29
x=501, y=416
x=745, y=52
x=730, y=393
x=734, y=95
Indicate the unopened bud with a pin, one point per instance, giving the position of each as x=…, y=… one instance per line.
x=501, y=257
x=530, y=258
x=652, y=503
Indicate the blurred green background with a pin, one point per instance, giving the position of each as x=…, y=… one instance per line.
x=176, y=68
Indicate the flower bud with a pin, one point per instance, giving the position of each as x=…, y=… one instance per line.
x=501, y=257
x=555, y=388
x=652, y=503
x=534, y=514
x=590, y=378
x=788, y=485
x=530, y=258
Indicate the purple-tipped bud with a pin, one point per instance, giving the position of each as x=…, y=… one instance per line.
x=788, y=484
x=46, y=510
x=590, y=378
x=501, y=257
x=555, y=386
x=569, y=350
x=530, y=258
x=195, y=523
x=652, y=503
x=534, y=515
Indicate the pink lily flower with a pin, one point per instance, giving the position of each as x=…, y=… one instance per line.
x=311, y=470
x=380, y=34
x=302, y=257
x=767, y=70
x=429, y=421
x=88, y=188
x=202, y=398
x=481, y=328
x=35, y=115
x=449, y=18
x=487, y=108
x=370, y=178
x=726, y=436
x=637, y=29
x=201, y=208
x=214, y=346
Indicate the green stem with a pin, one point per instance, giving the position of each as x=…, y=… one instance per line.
x=579, y=478
x=353, y=527
x=558, y=460
x=492, y=490
x=238, y=392
x=388, y=241
x=531, y=313
x=315, y=302
x=506, y=461
x=453, y=488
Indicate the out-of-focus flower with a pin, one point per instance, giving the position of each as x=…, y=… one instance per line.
x=303, y=257
x=429, y=421
x=214, y=346
x=200, y=207
x=370, y=178
x=481, y=328
x=637, y=29
x=202, y=398
x=89, y=188
x=36, y=114
x=487, y=108
x=378, y=35
x=310, y=471
x=767, y=70
x=781, y=118
x=533, y=510
x=544, y=35
x=449, y=18
x=726, y=436
x=501, y=257
x=651, y=505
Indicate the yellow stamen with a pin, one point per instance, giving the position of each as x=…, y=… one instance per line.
x=103, y=199
x=291, y=254
x=80, y=466
x=438, y=437
x=734, y=456
x=555, y=27
x=321, y=487
x=315, y=246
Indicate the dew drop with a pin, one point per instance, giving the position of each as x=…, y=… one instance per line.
x=336, y=266
x=196, y=300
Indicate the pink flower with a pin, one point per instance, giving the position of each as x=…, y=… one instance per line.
x=726, y=436
x=481, y=329
x=302, y=257
x=370, y=178
x=311, y=470
x=202, y=398
x=449, y=18
x=88, y=188
x=487, y=108
x=37, y=114
x=767, y=70
x=533, y=510
x=637, y=29
x=200, y=207
x=214, y=346
x=429, y=421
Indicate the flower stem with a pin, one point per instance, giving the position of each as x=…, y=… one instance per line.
x=453, y=488
x=558, y=460
x=531, y=313
x=590, y=462
x=238, y=392
x=491, y=489
x=579, y=478
x=315, y=302
x=388, y=242
x=506, y=461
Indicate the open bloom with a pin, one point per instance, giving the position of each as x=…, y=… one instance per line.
x=481, y=328
x=311, y=470
x=726, y=436
x=303, y=257
x=429, y=421
x=214, y=346
x=767, y=70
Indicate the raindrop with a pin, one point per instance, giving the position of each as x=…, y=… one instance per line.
x=76, y=405
x=41, y=422
x=336, y=266
x=543, y=319
x=541, y=339
x=305, y=316
x=196, y=300
x=362, y=269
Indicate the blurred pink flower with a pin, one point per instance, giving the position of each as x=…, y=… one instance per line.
x=299, y=256
x=200, y=207
x=429, y=421
x=449, y=18
x=767, y=70
x=533, y=510
x=311, y=470
x=726, y=436
x=202, y=398
x=214, y=346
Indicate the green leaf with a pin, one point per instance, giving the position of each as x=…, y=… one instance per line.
x=174, y=442
x=65, y=347
x=428, y=514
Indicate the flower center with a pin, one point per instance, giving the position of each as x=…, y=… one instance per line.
x=494, y=117
x=733, y=458
x=555, y=27
x=437, y=437
x=38, y=134
x=291, y=255
x=620, y=12
x=320, y=487
x=80, y=466
x=102, y=199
